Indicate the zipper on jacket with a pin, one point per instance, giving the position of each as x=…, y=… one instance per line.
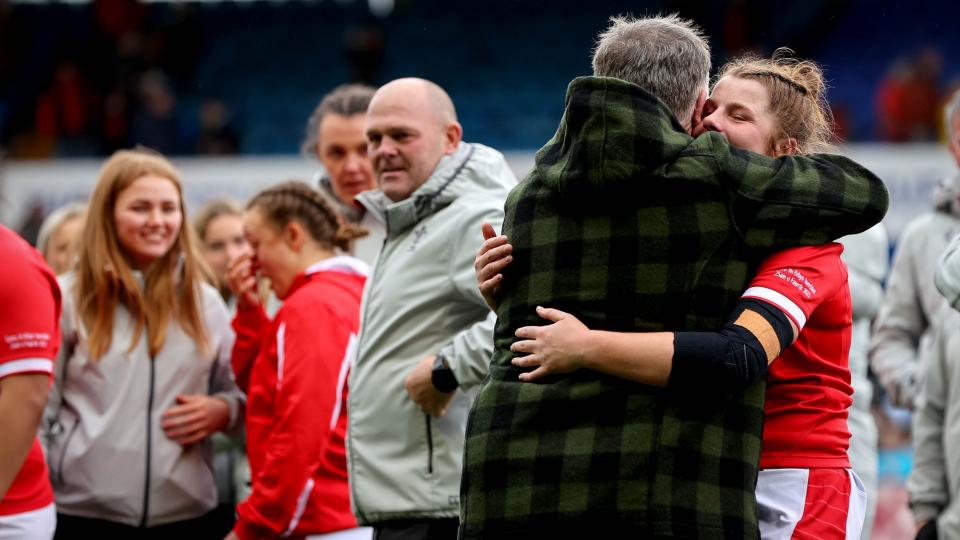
x=146, y=487
x=63, y=450
x=429, y=445
x=351, y=461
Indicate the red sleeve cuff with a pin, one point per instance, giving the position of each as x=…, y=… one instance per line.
x=250, y=318
x=246, y=531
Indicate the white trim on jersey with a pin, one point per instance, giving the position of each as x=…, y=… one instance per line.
x=780, y=301
x=301, y=507
x=342, y=379
x=281, y=332
x=26, y=365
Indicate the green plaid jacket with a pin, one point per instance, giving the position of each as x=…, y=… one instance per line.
x=632, y=225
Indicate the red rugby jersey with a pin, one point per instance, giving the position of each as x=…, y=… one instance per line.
x=29, y=340
x=808, y=385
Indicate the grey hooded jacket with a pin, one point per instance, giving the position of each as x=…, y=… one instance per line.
x=947, y=277
x=422, y=299
x=902, y=337
x=934, y=482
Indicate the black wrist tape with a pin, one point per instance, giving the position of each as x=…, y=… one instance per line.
x=730, y=360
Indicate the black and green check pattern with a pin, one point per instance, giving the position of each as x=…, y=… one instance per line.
x=632, y=225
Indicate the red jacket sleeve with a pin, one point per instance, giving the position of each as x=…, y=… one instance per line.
x=311, y=344
x=251, y=326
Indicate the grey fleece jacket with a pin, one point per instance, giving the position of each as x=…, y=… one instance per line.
x=947, y=277
x=934, y=482
x=109, y=457
x=422, y=299
x=902, y=338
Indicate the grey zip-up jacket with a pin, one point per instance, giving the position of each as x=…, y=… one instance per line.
x=422, y=299
x=934, y=482
x=108, y=455
x=947, y=277
x=902, y=336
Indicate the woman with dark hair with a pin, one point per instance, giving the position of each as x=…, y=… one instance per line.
x=335, y=137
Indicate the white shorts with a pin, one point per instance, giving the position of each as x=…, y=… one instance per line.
x=360, y=533
x=814, y=504
x=33, y=525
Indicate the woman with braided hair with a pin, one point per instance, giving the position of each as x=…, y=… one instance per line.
x=294, y=367
x=796, y=310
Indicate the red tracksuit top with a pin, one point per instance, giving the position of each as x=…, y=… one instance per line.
x=294, y=371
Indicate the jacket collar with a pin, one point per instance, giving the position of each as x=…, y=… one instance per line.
x=141, y=279
x=435, y=194
x=945, y=196
x=352, y=212
x=344, y=264
x=613, y=134
x=340, y=263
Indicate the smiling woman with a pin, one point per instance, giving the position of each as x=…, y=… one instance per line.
x=144, y=374
x=775, y=106
x=149, y=217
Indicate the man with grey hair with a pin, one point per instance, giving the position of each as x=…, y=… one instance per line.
x=630, y=50
x=903, y=331
x=632, y=224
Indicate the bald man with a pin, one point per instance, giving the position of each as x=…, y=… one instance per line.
x=426, y=334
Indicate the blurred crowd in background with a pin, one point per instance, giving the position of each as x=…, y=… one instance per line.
x=237, y=78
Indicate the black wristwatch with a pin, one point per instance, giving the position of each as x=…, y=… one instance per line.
x=443, y=379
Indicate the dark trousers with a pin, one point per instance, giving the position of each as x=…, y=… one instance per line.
x=207, y=527
x=417, y=529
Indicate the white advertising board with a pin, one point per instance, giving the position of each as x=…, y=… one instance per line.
x=910, y=171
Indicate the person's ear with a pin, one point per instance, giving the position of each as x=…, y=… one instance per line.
x=453, y=134
x=294, y=236
x=786, y=146
x=697, y=119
